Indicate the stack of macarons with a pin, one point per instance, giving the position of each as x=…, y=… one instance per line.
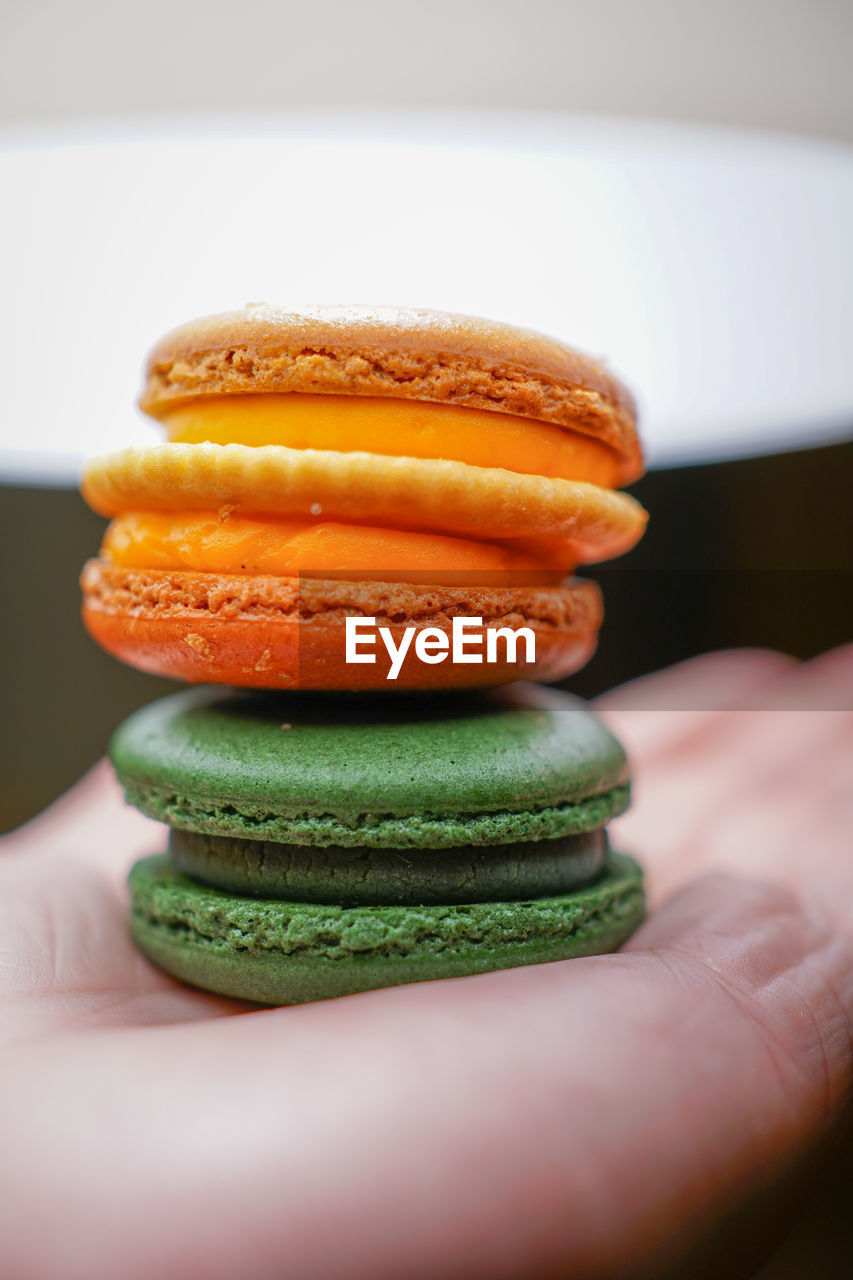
x=365, y=816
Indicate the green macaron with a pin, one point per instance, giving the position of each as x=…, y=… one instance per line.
x=279, y=952
x=516, y=764
x=322, y=845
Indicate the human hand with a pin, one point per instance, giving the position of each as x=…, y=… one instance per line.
x=586, y=1117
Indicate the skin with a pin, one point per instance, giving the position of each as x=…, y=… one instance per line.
x=592, y=1117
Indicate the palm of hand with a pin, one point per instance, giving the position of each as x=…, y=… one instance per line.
x=591, y=1116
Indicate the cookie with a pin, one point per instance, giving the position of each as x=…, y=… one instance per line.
x=437, y=772
x=321, y=845
x=278, y=952
x=585, y=522
x=367, y=520
x=374, y=446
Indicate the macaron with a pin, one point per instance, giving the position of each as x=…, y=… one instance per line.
x=325, y=845
x=397, y=468
x=292, y=952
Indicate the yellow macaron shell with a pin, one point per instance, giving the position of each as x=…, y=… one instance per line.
x=428, y=495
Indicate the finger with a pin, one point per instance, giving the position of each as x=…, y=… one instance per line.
x=828, y=680
x=764, y=788
x=658, y=713
x=67, y=960
x=93, y=823
x=791, y=822
x=66, y=957
x=682, y=707
x=772, y=793
x=588, y=1117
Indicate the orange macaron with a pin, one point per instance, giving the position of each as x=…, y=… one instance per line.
x=359, y=498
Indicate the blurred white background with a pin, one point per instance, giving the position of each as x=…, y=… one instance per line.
x=566, y=166
x=779, y=64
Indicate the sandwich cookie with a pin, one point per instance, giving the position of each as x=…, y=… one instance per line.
x=404, y=466
x=322, y=846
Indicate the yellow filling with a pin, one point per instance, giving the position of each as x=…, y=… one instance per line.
x=213, y=543
x=220, y=542
x=400, y=428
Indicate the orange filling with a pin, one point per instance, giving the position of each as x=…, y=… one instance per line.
x=211, y=543
x=222, y=543
x=400, y=428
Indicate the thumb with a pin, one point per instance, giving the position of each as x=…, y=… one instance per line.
x=91, y=822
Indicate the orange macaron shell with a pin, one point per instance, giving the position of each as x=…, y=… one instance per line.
x=259, y=631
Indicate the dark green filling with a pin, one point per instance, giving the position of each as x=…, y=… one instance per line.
x=351, y=877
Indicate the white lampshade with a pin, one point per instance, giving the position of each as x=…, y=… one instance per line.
x=711, y=267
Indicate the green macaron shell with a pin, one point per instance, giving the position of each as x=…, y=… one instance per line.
x=351, y=877
x=435, y=771
x=279, y=952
